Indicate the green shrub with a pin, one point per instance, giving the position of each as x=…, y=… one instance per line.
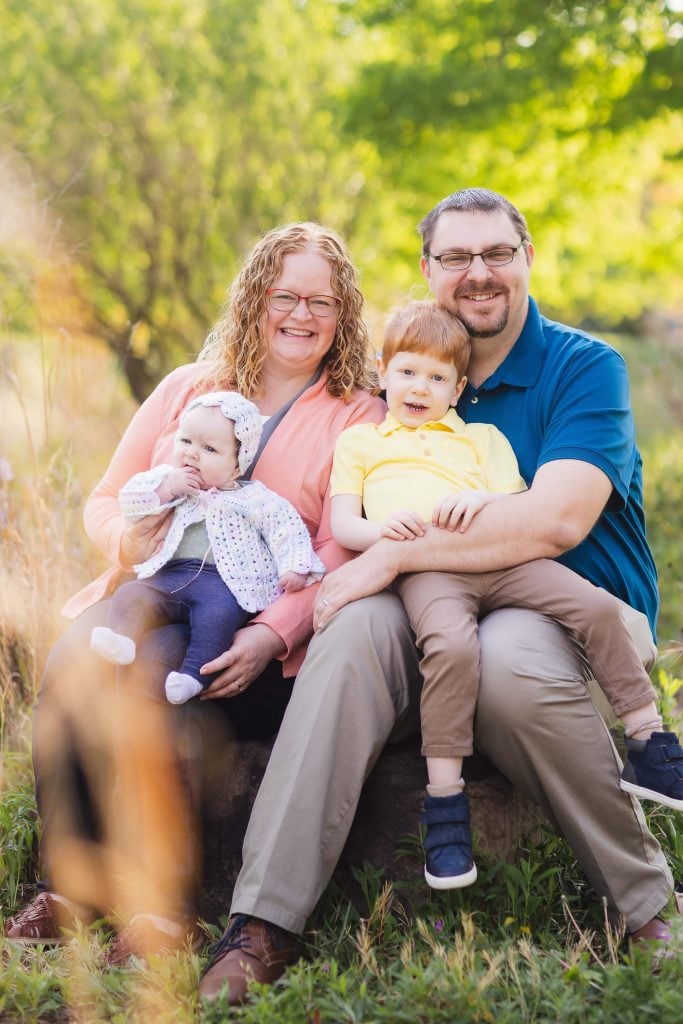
x=663, y=459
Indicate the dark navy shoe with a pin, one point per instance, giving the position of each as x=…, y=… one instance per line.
x=654, y=769
x=448, y=842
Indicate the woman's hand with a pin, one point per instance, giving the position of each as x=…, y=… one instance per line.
x=252, y=649
x=141, y=540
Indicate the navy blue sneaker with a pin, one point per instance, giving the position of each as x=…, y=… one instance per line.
x=654, y=769
x=448, y=842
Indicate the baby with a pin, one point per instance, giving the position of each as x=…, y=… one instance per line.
x=232, y=547
x=424, y=464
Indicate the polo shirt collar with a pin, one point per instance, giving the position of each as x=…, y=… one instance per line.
x=451, y=421
x=522, y=365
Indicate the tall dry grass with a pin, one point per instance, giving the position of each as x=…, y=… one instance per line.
x=63, y=408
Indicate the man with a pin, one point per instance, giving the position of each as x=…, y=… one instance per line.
x=561, y=398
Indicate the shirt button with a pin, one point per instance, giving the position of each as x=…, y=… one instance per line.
x=474, y=400
x=427, y=451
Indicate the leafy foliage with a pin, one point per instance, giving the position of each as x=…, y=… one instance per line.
x=664, y=500
x=165, y=137
x=145, y=145
x=534, y=100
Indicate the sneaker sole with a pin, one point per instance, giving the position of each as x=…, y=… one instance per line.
x=452, y=881
x=651, y=794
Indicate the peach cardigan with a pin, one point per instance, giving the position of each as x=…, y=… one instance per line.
x=296, y=463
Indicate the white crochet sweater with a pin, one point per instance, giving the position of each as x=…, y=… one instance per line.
x=255, y=535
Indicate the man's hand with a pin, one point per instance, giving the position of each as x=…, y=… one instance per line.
x=292, y=581
x=460, y=509
x=371, y=572
x=252, y=649
x=402, y=525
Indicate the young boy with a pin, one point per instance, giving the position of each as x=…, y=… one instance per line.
x=424, y=464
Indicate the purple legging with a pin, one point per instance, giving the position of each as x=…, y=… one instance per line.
x=182, y=591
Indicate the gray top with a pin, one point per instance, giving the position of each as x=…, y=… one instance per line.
x=195, y=543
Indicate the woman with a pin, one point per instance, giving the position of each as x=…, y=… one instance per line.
x=293, y=341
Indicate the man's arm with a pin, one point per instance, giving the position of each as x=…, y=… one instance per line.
x=554, y=515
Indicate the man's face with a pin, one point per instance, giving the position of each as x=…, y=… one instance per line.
x=490, y=301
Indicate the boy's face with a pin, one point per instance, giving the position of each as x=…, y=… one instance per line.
x=419, y=387
x=206, y=442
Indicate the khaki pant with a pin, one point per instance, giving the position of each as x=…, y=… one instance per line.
x=360, y=686
x=444, y=611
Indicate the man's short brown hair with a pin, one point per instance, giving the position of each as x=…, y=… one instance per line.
x=471, y=200
x=425, y=326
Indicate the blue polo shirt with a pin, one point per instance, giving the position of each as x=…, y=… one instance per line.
x=561, y=394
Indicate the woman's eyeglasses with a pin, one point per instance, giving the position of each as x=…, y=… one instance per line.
x=318, y=305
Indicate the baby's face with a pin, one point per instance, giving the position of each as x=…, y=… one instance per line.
x=206, y=442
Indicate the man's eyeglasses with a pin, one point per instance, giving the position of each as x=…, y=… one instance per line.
x=318, y=305
x=497, y=257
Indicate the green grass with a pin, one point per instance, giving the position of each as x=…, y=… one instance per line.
x=527, y=942
x=387, y=965
x=19, y=840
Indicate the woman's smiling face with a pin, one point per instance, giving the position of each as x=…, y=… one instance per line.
x=297, y=340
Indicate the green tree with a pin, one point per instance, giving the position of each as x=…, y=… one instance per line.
x=572, y=109
x=164, y=137
x=158, y=139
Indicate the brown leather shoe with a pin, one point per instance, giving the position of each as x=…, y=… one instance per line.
x=44, y=919
x=250, y=950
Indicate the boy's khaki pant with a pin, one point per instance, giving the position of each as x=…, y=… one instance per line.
x=360, y=686
x=444, y=611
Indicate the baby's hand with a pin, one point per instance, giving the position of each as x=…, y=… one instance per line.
x=179, y=483
x=292, y=581
x=402, y=525
x=459, y=508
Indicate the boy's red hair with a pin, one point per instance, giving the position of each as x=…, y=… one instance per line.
x=425, y=326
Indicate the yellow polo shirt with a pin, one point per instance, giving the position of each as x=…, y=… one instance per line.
x=394, y=467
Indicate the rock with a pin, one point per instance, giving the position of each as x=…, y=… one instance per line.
x=387, y=814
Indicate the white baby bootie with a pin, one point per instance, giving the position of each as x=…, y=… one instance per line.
x=113, y=647
x=180, y=687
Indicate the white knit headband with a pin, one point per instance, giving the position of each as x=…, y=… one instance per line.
x=243, y=414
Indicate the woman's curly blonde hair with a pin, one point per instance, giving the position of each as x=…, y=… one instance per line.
x=235, y=350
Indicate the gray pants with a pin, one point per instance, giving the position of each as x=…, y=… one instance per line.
x=360, y=687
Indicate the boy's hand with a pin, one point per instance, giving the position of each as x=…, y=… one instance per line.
x=179, y=484
x=454, y=509
x=402, y=525
x=292, y=581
